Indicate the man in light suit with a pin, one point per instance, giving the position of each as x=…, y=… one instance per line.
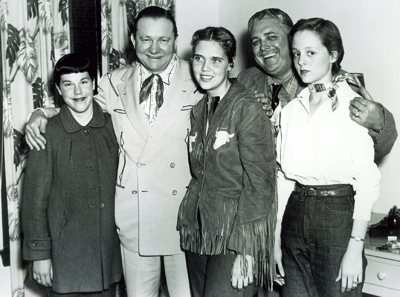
x=150, y=103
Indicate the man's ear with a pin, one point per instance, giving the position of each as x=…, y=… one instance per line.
x=133, y=41
x=175, y=44
x=334, y=56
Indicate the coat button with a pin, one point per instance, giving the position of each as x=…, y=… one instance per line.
x=34, y=243
x=172, y=165
x=174, y=192
x=134, y=192
x=91, y=205
x=86, y=131
x=139, y=164
x=101, y=205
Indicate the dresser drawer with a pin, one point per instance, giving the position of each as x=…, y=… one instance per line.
x=383, y=273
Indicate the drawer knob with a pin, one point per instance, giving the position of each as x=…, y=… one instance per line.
x=381, y=275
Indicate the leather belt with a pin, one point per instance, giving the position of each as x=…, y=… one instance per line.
x=323, y=191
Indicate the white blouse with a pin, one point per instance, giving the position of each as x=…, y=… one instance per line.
x=326, y=148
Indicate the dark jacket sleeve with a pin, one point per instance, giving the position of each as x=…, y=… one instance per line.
x=38, y=178
x=253, y=79
x=256, y=216
x=384, y=140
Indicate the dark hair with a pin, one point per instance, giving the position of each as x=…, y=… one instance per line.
x=271, y=13
x=327, y=32
x=219, y=34
x=73, y=63
x=155, y=12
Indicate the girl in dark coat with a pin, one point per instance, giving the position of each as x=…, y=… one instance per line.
x=68, y=202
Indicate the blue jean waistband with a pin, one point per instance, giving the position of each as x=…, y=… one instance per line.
x=324, y=191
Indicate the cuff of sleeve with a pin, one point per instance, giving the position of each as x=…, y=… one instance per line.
x=39, y=108
x=384, y=122
x=37, y=249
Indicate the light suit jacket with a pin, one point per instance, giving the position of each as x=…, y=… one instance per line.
x=153, y=169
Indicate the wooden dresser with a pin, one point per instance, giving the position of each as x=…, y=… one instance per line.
x=383, y=270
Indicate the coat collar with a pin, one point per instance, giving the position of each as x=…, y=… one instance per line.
x=71, y=125
x=176, y=95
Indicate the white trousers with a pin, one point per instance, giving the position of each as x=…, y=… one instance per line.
x=142, y=274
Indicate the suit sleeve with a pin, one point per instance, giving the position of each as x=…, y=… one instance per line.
x=384, y=140
x=37, y=185
x=256, y=216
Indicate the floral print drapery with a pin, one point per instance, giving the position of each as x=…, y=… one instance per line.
x=34, y=35
x=117, y=17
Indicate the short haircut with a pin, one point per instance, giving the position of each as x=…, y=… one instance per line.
x=73, y=63
x=271, y=13
x=155, y=12
x=219, y=34
x=327, y=32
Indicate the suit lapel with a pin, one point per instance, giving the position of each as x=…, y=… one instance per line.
x=129, y=92
x=177, y=94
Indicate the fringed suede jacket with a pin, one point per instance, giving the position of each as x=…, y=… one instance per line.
x=230, y=203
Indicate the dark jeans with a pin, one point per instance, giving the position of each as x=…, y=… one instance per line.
x=210, y=276
x=315, y=234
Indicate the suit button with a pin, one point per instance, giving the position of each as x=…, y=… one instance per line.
x=174, y=192
x=86, y=131
x=101, y=205
x=134, y=192
x=139, y=164
x=172, y=165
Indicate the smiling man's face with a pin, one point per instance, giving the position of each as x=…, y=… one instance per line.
x=270, y=44
x=154, y=43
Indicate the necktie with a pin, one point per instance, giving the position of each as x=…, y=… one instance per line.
x=212, y=105
x=147, y=86
x=275, y=99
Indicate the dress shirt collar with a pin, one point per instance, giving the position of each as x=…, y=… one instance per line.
x=166, y=75
x=290, y=84
x=304, y=96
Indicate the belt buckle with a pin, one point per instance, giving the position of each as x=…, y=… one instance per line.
x=310, y=192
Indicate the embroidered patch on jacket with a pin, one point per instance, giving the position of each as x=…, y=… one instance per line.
x=222, y=137
x=192, y=140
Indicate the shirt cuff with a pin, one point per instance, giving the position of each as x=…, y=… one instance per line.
x=39, y=108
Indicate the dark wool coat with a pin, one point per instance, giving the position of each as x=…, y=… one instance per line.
x=230, y=202
x=68, y=203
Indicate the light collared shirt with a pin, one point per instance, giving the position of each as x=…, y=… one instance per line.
x=150, y=104
x=326, y=148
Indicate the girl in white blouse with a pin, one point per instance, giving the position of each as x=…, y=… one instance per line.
x=327, y=169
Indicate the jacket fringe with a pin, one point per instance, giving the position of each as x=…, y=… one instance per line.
x=254, y=238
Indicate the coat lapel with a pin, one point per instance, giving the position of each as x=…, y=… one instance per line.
x=177, y=94
x=129, y=92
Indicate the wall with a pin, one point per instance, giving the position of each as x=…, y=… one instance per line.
x=371, y=45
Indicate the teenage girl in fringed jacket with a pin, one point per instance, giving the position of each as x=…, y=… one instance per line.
x=227, y=217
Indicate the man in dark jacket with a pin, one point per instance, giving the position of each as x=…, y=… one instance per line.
x=269, y=32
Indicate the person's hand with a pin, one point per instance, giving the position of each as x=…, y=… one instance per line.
x=33, y=129
x=43, y=272
x=240, y=281
x=278, y=262
x=266, y=103
x=366, y=112
x=350, y=271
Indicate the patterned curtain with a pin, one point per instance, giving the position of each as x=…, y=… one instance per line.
x=117, y=17
x=34, y=35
